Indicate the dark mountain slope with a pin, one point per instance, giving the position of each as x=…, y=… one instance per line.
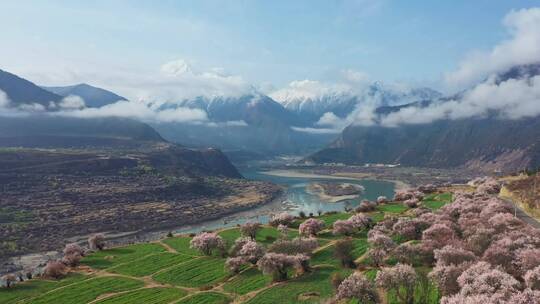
x=22, y=91
x=94, y=97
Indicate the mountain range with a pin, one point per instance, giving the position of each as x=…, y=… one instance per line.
x=256, y=125
x=488, y=143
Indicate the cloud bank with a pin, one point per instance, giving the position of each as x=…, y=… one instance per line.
x=522, y=47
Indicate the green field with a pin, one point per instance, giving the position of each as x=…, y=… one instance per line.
x=150, y=264
x=392, y=208
x=247, y=281
x=181, y=244
x=112, y=257
x=310, y=288
x=265, y=235
x=86, y=291
x=194, y=273
x=435, y=201
x=206, y=298
x=150, y=274
x=34, y=288
x=158, y=295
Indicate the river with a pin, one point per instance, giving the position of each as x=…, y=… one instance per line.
x=295, y=199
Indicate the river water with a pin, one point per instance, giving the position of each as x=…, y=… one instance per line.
x=295, y=199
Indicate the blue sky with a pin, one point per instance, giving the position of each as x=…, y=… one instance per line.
x=266, y=43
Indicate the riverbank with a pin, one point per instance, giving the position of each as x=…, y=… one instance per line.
x=399, y=185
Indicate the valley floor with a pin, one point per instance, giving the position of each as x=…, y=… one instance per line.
x=169, y=271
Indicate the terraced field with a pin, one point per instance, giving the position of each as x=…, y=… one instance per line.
x=195, y=273
x=169, y=272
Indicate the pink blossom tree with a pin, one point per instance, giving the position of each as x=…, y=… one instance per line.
x=382, y=200
x=73, y=254
x=283, y=231
x=526, y=259
x=343, y=227
x=357, y=286
x=250, y=229
x=301, y=263
x=439, y=234
x=96, y=241
x=449, y=255
x=401, y=279
x=295, y=246
x=360, y=221
x=234, y=264
x=445, y=277
x=252, y=251
x=532, y=278
x=276, y=265
x=311, y=227
x=381, y=241
x=283, y=218
x=207, y=242
x=9, y=279
x=411, y=203
x=527, y=296
x=406, y=253
x=55, y=270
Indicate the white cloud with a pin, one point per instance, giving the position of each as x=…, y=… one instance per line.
x=510, y=99
x=140, y=111
x=72, y=102
x=177, y=68
x=317, y=130
x=523, y=47
x=4, y=99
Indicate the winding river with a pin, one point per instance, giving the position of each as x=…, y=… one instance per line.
x=296, y=198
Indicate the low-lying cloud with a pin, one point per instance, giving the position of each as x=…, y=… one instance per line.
x=510, y=99
x=140, y=111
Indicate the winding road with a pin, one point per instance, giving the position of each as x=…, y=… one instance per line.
x=521, y=214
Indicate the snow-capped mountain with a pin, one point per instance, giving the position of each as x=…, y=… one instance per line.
x=310, y=107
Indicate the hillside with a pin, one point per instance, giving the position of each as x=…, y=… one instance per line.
x=487, y=143
x=45, y=131
x=21, y=91
x=51, y=195
x=387, y=252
